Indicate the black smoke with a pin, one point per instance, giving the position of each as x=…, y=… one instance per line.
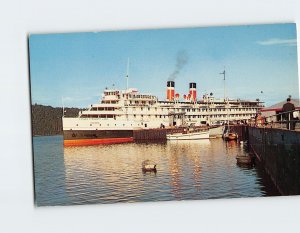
x=181, y=60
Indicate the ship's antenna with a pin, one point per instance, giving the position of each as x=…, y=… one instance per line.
x=224, y=84
x=63, y=107
x=127, y=73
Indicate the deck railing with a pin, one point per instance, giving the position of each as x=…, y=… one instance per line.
x=284, y=120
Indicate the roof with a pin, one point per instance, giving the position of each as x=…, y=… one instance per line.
x=278, y=106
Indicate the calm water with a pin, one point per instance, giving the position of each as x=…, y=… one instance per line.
x=187, y=170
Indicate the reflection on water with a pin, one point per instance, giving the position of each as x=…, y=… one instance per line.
x=186, y=170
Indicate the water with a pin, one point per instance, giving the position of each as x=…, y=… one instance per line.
x=186, y=170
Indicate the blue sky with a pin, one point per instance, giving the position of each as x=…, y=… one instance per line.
x=78, y=66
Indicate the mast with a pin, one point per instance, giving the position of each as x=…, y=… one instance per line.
x=127, y=73
x=224, y=84
x=63, y=107
x=225, y=98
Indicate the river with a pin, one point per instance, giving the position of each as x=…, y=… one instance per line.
x=186, y=170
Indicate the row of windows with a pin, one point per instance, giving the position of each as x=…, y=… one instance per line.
x=97, y=116
x=176, y=110
x=156, y=116
x=109, y=101
x=164, y=116
x=218, y=110
x=102, y=109
x=111, y=92
x=220, y=116
x=142, y=108
x=192, y=110
x=118, y=125
x=139, y=96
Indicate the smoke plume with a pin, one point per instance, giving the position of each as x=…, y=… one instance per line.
x=181, y=60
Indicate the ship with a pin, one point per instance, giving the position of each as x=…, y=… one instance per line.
x=120, y=112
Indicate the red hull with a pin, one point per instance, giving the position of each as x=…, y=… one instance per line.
x=90, y=142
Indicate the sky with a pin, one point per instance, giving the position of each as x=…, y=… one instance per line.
x=260, y=62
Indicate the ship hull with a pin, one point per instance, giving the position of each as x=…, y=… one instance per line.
x=94, y=137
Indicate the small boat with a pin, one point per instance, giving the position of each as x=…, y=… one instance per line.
x=216, y=131
x=148, y=166
x=195, y=135
x=244, y=159
x=230, y=136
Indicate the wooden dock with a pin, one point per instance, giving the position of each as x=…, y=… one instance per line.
x=155, y=134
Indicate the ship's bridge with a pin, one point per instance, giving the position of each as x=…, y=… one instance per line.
x=111, y=95
x=132, y=96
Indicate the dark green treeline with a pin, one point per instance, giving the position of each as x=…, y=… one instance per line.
x=46, y=120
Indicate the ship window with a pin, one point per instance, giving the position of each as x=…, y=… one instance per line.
x=90, y=124
x=76, y=124
x=107, y=124
x=134, y=115
x=148, y=109
x=115, y=124
x=123, y=124
x=145, y=125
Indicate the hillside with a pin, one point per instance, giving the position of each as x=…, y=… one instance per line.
x=46, y=120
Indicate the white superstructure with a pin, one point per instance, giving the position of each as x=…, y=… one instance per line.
x=129, y=110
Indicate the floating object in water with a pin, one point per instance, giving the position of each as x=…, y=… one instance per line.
x=230, y=136
x=148, y=166
x=244, y=159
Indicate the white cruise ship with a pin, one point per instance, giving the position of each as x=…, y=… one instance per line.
x=120, y=112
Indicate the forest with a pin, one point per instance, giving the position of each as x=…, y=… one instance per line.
x=46, y=120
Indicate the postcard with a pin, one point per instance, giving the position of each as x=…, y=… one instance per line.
x=165, y=115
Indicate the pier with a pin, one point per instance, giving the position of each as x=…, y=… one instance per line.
x=157, y=134
x=277, y=149
x=149, y=135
